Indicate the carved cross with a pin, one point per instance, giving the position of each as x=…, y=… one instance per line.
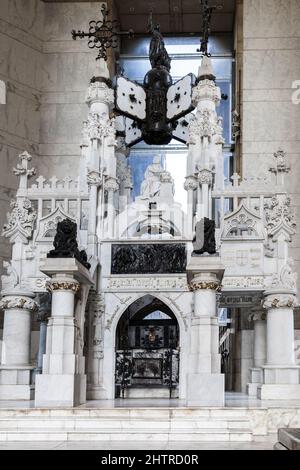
x=23, y=171
x=53, y=182
x=280, y=167
x=235, y=179
x=40, y=181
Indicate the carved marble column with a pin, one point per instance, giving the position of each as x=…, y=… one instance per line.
x=95, y=389
x=205, y=383
x=280, y=373
x=204, y=208
x=258, y=315
x=111, y=186
x=62, y=382
x=42, y=317
x=190, y=186
x=15, y=368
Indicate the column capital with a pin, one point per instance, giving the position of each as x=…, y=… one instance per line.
x=63, y=284
x=205, y=176
x=280, y=299
x=196, y=284
x=111, y=184
x=257, y=313
x=100, y=92
x=190, y=183
x=22, y=300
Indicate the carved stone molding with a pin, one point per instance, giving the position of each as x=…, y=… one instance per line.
x=202, y=125
x=20, y=221
x=280, y=300
x=287, y=278
x=99, y=92
x=63, y=285
x=18, y=302
x=11, y=280
x=206, y=90
x=207, y=285
x=281, y=165
x=190, y=183
x=279, y=216
x=96, y=128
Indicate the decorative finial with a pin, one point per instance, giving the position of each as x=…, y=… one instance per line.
x=103, y=34
x=206, y=25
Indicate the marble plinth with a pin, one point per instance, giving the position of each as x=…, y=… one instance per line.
x=59, y=390
x=278, y=392
x=256, y=379
x=15, y=383
x=205, y=389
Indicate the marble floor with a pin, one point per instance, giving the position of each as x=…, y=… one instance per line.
x=232, y=400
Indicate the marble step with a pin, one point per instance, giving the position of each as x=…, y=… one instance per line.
x=143, y=413
x=199, y=435
x=115, y=423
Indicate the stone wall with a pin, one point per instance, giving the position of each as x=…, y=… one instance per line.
x=270, y=120
x=68, y=67
x=46, y=75
x=21, y=53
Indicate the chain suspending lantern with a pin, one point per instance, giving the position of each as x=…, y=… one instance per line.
x=103, y=34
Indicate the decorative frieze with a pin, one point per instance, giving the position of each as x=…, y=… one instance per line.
x=244, y=282
x=147, y=283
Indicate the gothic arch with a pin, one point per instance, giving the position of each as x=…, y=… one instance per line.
x=110, y=342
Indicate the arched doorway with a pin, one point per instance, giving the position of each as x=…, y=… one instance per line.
x=147, y=351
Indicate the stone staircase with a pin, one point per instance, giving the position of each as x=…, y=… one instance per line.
x=130, y=424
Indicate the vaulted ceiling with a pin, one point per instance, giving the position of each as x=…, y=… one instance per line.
x=174, y=16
